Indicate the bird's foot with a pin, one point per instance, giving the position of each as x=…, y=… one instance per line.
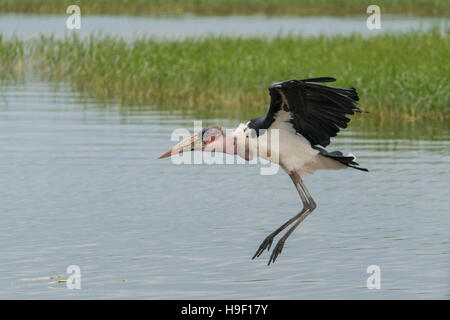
x=276, y=251
x=265, y=244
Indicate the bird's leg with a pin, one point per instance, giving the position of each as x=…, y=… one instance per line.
x=303, y=187
x=307, y=209
x=269, y=239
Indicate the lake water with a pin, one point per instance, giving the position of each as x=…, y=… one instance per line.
x=130, y=27
x=82, y=185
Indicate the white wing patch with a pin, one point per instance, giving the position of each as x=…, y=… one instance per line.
x=352, y=155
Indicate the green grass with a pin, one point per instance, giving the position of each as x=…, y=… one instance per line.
x=12, y=59
x=225, y=7
x=397, y=75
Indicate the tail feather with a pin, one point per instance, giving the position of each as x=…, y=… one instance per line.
x=358, y=168
x=348, y=160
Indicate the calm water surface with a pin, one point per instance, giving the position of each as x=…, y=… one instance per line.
x=32, y=25
x=81, y=185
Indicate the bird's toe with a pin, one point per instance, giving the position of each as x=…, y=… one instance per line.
x=267, y=243
x=276, y=251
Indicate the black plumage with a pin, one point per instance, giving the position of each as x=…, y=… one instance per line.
x=349, y=161
x=317, y=111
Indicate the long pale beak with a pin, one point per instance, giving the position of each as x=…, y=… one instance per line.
x=190, y=144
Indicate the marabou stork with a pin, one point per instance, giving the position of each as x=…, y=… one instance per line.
x=306, y=115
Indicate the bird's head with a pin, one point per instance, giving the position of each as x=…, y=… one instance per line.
x=211, y=139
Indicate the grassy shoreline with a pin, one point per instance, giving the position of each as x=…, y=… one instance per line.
x=401, y=76
x=228, y=7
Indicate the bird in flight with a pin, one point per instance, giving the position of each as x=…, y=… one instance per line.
x=305, y=115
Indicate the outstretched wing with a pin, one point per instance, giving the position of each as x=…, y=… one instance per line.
x=317, y=111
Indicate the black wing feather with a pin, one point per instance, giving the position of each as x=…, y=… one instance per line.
x=318, y=112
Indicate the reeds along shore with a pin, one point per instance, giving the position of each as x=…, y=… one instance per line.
x=401, y=76
x=226, y=7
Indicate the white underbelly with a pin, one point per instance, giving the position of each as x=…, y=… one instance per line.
x=292, y=151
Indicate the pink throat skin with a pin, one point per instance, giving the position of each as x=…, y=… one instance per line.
x=227, y=144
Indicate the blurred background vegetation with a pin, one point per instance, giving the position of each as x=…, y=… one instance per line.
x=226, y=7
x=402, y=75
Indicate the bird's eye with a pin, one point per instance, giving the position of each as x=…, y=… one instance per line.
x=251, y=134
